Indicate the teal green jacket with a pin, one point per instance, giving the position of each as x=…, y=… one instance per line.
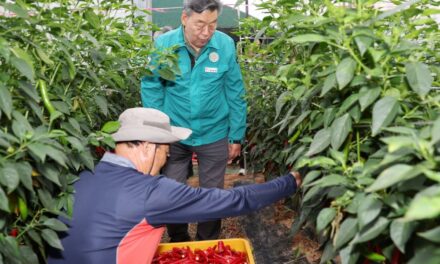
x=209, y=98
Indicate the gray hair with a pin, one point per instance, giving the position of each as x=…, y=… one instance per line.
x=198, y=6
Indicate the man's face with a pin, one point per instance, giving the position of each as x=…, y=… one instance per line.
x=199, y=28
x=162, y=151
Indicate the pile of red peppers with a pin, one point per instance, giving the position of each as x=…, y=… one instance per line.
x=218, y=254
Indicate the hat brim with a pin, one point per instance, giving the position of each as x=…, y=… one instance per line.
x=151, y=134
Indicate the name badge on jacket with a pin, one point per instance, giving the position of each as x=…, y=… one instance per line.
x=210, y=69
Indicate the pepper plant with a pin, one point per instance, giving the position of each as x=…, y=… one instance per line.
x=66, y=68
x=350, y=93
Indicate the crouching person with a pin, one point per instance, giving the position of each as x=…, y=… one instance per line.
x=121, y=208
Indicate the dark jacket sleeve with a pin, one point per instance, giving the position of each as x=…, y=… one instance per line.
x=171, y=202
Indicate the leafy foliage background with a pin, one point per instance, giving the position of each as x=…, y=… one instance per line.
x=66, y=68
x=350, y=94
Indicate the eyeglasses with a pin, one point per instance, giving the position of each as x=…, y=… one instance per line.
x=201, y=27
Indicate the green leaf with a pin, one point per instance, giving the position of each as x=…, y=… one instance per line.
x=328, y=253
x=46, y=198
x=109, y=141
x=400, y=232
x=92, y=18
x=28, y=255
x=298, y=120
x=311, y=194
x=384, y=112
x=347, y=256
x=9, y=246
x=320, y=141
x=329, y=83
x=55, y=224
x=281, y=101
x=5, y=100
x=363, y=39
x=308, y=38
x=398, y=142
x=54, y=115
x=424, y=207
x=354, y=205
x=42, y=150
x=340, y=129
x=4, y=49
x=419, y=77
x=331, y=180
x=368, y=96
x=390, y=176
x=4, y=201
x=24, y=68
x=102, y=104
x=51, y=173
x=355, y=113
x=57, y=155
x=338, y=156
x=431, y=235
x=345, y=72
x=376, y=54
x=23, y=63
x=329, y=116
x=39, y=150
x=320, y=161
x=16, y=9
x=368, y=210
x=24, y=169
x=435, y=133
x=348, y=102
x=44, y=57
x=35, y=237
x=87, y=159
x=167, y=74
x=372, y=230
x=51, y=238
x=76, y=143
x=74, y=123
x=9, y=177
x=311, y=176
x=426, y=254
x=111, y=127
x=433, y=175
x=347, y=231
x=325, y=217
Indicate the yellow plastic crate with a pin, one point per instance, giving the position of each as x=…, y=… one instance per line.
x=237, y=244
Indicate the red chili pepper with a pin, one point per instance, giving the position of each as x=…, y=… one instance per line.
x=100, y=151
x=218, y=254
x=14, y=232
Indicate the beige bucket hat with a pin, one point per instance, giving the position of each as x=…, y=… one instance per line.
x=148, y=124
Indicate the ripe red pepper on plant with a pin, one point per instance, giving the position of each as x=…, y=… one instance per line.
x=14, y=232
x=218, y=254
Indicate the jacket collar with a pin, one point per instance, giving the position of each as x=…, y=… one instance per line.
x=118, y=160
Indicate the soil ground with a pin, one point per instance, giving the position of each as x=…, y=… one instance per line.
x=278, y=219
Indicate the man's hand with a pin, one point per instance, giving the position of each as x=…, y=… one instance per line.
x=234, y=151
x=297, y=177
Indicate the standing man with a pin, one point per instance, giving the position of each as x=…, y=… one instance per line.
x=207, y=97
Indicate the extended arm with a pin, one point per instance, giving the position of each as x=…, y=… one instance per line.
x=173, y=202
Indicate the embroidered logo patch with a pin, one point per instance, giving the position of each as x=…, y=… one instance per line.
x=213, y=56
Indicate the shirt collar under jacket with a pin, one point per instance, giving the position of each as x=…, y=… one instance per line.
x=118, y=160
